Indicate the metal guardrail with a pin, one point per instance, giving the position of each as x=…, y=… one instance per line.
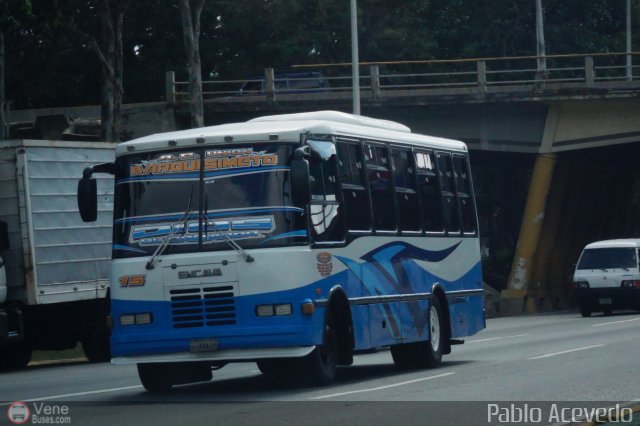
x=379, y=80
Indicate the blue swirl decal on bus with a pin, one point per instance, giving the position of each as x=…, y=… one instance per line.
x=389, y=269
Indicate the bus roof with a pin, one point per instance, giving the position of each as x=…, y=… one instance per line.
x=288, y=128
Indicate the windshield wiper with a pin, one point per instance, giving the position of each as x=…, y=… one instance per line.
x=247, y=257
x=174, y=226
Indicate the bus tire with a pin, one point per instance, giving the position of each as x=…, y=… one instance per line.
x=154, y=378
x=437, y=334
x=321, y=364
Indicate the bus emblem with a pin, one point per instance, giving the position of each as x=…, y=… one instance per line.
x=325, y=265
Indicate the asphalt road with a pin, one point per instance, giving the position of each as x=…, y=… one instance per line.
x=534, y=360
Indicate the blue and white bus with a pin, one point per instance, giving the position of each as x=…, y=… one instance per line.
x=294, y=241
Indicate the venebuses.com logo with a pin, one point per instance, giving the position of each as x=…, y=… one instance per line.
x=18, y=413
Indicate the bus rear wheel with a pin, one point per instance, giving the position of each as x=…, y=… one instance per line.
x=423, y=354
x=435, y=344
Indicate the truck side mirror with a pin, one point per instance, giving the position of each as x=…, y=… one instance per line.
x=4, y=236
x=88, y=199
x=300, y=191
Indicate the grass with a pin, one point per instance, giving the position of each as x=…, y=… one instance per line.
x=55, y=356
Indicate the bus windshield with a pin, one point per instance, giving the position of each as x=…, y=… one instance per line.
x=236, y=193
x=608, y=258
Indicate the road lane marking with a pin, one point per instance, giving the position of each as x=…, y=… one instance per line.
x=615, y=322
x=565, y=352
x=497, y=338
x=67, y=395
x=408, y=382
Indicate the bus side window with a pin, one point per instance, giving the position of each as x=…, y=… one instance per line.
x=379, y=176
x=406, y=191
x=325, y=213
x=447, y=184
x=354, y=193
x=465, y=197
x=429, y=191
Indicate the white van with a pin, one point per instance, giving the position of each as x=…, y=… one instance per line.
x=607, y=276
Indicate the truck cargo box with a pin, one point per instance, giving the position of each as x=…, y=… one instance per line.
x=54, y=257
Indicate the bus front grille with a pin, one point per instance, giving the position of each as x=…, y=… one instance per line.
x=208, y=306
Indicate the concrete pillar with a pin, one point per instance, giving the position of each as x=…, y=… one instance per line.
x=170, y=87
x=270, y=84
x=513, y=297
x=375, y=82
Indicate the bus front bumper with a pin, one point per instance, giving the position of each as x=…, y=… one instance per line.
x=224, y=356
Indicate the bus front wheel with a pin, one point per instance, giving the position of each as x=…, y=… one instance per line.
x=321, y=364
x=153, y=379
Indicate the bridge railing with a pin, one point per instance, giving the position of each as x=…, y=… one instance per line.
x=423, y=78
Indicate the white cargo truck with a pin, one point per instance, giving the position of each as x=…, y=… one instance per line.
x=54, y=269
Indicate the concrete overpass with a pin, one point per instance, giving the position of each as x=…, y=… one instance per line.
x=567, y=136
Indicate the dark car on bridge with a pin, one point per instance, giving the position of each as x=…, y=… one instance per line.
x=285, y=83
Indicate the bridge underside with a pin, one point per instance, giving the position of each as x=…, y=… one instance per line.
x=550, y=177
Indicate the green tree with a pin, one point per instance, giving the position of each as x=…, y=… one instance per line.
x=10, y=16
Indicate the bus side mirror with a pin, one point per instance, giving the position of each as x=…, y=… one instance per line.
x=88, y=198
x=4, y=236
x=300, y=190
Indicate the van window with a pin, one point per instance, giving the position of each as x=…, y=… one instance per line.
x=608, y=258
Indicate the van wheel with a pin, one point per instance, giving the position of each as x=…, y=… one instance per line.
x=585, y=311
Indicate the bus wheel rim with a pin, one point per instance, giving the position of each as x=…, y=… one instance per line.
x=434, y=326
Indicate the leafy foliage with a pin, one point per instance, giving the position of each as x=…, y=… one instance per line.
x=48, y=66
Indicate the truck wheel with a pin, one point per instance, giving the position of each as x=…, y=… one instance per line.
x=97, y=346
x=585, y=311
x=153, y=378
x=15, y=356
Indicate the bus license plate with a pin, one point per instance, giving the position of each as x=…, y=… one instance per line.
x=605, y=301
x=200, y=346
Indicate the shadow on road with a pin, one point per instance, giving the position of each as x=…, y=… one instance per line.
x=260, y=387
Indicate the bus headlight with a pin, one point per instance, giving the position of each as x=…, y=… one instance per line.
x=142, y=318
x=281, y=309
